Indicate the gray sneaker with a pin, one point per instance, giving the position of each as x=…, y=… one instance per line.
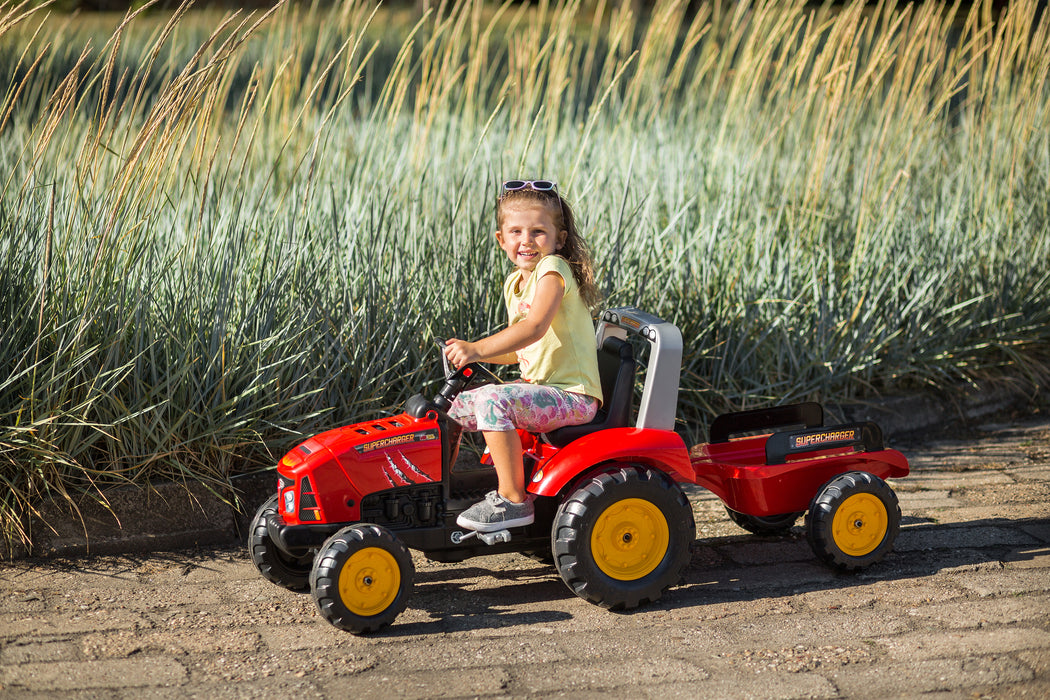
x=496, y=513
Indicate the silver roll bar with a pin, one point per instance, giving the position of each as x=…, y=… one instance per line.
x=660, y=395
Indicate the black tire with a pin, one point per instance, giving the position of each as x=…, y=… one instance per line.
x=275, y=566
x=853, y=521
x=764, y=525
x=624, y=537
x=362, y=578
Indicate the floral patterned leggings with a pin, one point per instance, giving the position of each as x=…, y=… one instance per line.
x=532, y=407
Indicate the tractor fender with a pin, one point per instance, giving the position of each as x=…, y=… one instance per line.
x=661, y=449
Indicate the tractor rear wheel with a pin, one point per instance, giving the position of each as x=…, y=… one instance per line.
x=853, y=521
x=275, y=566
x=622, y=538
x=362, y=578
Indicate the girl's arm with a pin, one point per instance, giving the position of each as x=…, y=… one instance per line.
x=501, y=347
x=507, y=358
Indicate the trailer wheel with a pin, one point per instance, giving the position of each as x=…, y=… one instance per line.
x=853, y=521
x=764, y=525
x=624, y=537
x=275, y=566
x=362, y=578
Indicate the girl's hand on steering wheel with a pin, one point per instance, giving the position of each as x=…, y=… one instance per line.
x=461, y=352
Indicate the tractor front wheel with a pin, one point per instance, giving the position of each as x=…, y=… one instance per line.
x=362, y=578
x=277, y=567
x=853, y=521
x=623, y=537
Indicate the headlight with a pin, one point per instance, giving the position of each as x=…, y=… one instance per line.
x=289, y=501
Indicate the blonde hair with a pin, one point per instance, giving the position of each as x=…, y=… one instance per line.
x=574, y=249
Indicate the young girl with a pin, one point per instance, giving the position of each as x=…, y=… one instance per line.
x=550, y=337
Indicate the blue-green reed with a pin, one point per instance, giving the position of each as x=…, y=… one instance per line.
x=219, y=233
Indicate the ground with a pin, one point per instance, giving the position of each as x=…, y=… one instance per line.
x=960, y=609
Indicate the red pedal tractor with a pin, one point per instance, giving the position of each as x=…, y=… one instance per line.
x=350, y=502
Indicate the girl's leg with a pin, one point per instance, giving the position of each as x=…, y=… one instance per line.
x=532, y=407
x=505, y=448
x=487, y=405
x=463, y=409
x=498, y=411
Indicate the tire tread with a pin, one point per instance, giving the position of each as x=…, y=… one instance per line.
x=822, y=511
x=324, y=578
x=274, y=565
x=573, y=562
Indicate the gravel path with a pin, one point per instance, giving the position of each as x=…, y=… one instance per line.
x=960, y=609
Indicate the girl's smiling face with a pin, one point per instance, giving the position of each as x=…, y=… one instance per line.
x=527, y=234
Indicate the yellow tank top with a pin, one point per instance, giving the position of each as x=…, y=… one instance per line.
x=565, y=357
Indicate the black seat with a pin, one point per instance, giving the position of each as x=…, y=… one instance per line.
x=616, y=369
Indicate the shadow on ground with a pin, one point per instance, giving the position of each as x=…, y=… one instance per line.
x=726, y=570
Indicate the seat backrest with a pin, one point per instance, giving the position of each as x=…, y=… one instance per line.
x=616, y=368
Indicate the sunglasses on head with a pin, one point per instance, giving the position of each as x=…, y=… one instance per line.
x=537, y=185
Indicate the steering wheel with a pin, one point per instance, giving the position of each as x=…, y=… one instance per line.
x=456, y=380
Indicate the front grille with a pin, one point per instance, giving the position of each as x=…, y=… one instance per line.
x=309, y=510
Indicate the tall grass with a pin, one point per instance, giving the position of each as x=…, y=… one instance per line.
x=221, y=232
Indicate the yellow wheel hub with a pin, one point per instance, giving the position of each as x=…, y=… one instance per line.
x=860, y=524
x=369, y=581
x=629, y=539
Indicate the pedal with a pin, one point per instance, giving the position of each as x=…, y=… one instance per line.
x=497, y=537
x=489, y=538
